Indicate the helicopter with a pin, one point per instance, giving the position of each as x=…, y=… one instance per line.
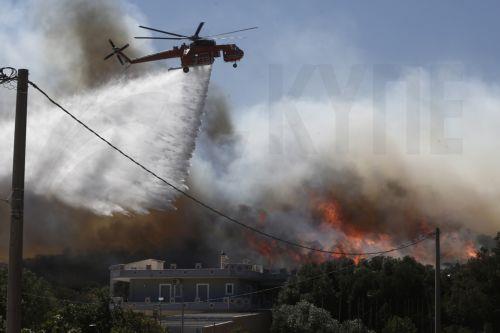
x=200, y=51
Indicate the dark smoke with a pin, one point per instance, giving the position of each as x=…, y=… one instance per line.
x=218, y=123
x=76, y=35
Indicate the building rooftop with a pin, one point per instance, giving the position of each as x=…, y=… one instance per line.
x=153, y=268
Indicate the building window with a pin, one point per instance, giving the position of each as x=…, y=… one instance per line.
x=202, y=292
x=177, y=290
x=165, y=292
x=229, y=288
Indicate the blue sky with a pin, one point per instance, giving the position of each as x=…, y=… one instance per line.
x=342, y=33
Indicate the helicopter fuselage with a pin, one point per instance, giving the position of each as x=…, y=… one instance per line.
x=204, y=52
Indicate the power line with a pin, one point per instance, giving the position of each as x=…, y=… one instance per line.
x=260, y=291
x=209, y=207
x=64, y=300
x=287, y=283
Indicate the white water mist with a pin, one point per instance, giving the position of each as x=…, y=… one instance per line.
x=155, y=119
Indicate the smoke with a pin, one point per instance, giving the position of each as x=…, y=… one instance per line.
x=357, y=199
x=72, y=178
x=283, y=167
x=155, y=117
x=64, y=42
x=87, y=24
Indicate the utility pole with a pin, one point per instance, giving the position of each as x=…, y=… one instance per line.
x=160, y=299
x=17, y=207
x=182, y=314
x=438, y=285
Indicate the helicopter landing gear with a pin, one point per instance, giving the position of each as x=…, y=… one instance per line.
x=235, y=65
x=185, y=69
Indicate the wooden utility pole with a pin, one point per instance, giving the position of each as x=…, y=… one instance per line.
x=437, y=278
x=182, y=314
x=17, y=207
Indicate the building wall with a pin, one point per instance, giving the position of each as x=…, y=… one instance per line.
x=140, y=289
x=151, y=264
x=142, y=282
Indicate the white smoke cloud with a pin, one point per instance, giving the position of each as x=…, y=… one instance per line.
x=443, y=183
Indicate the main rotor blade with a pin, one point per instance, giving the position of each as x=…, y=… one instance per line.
x=171, y=38
x=111, y=42
x=234, y=37
x=230, y=32
x=162, y=31
x=199, y=29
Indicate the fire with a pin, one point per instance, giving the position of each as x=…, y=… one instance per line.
x=348, y=237
x=265, y=248
x=457, y=246
x=337, y=231
x=331, y=213
x=470, y=250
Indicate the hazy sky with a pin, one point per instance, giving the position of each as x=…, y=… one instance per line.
x=341, y=33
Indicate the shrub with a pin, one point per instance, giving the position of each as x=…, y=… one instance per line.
x=399, y=325
x=303, y=317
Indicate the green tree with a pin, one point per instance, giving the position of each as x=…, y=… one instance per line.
x=94, y=314
x=37, y=299
x=126, y=321
x=399, y=325
x=373, y=290
x=43, y=312
x=303, y=317
x=457, y=329
x=471, y=294
x=354, y=326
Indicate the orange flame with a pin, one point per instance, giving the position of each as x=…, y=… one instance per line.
x=348, y=237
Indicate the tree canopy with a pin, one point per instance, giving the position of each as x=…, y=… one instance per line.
x=386, y=292
x=43, y=311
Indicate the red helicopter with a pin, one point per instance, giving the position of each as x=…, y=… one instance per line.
x=201, y=51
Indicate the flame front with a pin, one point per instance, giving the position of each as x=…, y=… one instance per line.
x=335, y=232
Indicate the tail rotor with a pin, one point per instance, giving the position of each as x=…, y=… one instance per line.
x=118, y=52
